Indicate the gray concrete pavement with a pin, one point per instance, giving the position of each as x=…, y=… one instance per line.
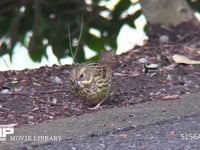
x=142, y=119
x=174, y=134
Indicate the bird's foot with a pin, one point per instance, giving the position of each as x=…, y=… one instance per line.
x=98, y=105
x=95, y=107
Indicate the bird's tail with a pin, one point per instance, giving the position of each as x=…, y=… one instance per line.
x=106, y=56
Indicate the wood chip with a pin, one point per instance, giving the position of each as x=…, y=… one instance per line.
x=171, y=97
x=123, y=135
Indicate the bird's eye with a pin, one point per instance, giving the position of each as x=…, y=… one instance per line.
x=81, y=76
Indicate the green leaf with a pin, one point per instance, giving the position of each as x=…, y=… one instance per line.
x=94, y=42
x=53, y=22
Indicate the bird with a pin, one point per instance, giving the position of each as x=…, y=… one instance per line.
x=90, y=82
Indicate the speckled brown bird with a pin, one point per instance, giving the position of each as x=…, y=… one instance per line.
x=91, y=82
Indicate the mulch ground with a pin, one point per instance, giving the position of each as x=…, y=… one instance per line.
x=40, y=95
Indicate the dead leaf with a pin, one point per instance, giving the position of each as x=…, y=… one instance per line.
x=173, y=132
x=65, y=105
x=181, y=59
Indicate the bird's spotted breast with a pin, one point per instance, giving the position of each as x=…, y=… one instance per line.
x=91, y=82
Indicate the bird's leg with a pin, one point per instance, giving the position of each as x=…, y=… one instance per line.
x=98, y=105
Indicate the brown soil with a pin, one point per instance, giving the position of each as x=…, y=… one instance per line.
x=39, y=95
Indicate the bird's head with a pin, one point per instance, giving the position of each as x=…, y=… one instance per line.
x=81, y=76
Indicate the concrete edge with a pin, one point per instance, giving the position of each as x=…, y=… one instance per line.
x=106, y=121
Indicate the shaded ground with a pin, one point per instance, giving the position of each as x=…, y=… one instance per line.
x=34, y=96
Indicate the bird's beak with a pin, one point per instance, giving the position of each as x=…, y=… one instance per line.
x=76, y=82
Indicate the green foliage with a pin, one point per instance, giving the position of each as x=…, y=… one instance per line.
x=195, y=4
x=51, y=20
